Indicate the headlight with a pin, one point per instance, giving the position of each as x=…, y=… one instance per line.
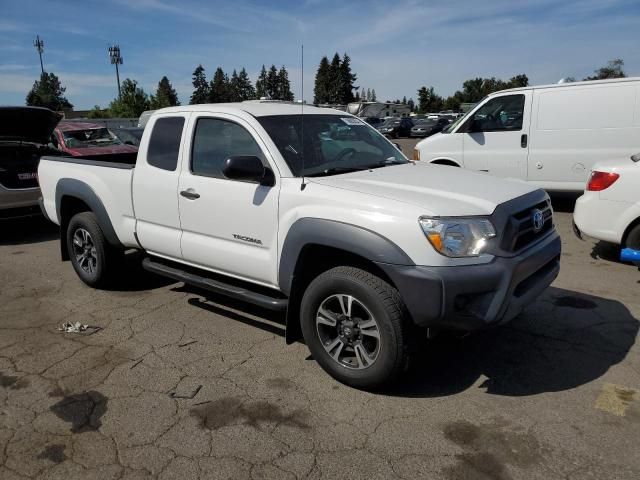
x=458, y=237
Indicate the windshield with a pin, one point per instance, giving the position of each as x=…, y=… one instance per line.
x=389, y=122
x=332, y=144
x=449, y=128
x=90, y=138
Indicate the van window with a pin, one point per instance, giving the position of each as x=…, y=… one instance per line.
x=164, y=144
x=214, y=141
x=499, y=114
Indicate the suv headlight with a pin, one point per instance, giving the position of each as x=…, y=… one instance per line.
x=458, y=237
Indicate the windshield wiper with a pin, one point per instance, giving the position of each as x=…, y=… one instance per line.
x=336, y=170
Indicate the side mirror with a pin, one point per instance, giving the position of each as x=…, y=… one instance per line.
x=472, y=125
x=248, y=168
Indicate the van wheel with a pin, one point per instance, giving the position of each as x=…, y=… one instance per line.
x=354, y=325
x=92, y=257
x=633, y=238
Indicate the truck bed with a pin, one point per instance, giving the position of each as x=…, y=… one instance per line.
x=105, y=179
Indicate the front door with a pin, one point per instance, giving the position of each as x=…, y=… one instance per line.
x=228, y=226
x=496, y=138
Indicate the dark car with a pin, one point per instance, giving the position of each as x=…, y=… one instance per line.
x=24, y=138
x=396, y=127
x=428, y=126
x=375, y=122
x=129, y=136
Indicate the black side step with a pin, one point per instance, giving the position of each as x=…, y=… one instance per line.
x=233, y=291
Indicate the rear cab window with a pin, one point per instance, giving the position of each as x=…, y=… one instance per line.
x=164, y=144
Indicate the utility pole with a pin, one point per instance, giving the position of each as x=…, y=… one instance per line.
x=39, y=44
x=116, y=59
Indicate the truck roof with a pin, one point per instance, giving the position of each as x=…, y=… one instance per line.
x=568, y=84
x=257, y=108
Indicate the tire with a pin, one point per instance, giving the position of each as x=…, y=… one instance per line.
x=633, y=238
x=362, y=361
x=95, y=260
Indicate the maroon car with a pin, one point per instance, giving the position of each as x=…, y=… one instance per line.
x=83, y=139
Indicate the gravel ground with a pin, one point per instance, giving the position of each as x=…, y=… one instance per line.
x=554, y=394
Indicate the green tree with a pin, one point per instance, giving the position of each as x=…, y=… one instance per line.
x=165, y=96
x=97, y=112
x=272, y=83
x=518, y=81
x=368, y=95
x=284, y=86
x=132, y=102
x=613, y=69
x=245, y=88
x=321, y=88
x=261, y=84
x=335, y=82
x=200, y=87
x=428, y=100
x=48, y=92
x=411, y=104
x=373, y=97
x=234, y=87
x=219, y=87
x=347, y=80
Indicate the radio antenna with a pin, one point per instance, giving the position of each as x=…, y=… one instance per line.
x=303, y=185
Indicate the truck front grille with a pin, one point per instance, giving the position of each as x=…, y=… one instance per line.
x=522, y=228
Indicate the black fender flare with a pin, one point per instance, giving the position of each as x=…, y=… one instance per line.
x=70, y=187
x=329, y=233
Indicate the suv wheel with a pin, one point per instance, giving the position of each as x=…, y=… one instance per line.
x=353, y=323
x=91, y=256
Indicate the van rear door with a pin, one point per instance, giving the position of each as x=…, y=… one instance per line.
x=496, y=135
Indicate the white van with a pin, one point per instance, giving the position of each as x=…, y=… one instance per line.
x=549, y=135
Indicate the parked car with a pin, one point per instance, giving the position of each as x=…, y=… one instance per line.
x=609, y=210
x=428, y=126
x=81, y=139
x=363, y=249
x=375, y=122
x=24, y=138
x=548, y=135
x=396, y=127
x=129, y=136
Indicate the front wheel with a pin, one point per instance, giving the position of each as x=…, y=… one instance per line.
x=354, y=325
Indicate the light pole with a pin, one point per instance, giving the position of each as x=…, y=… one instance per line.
x=39, y=44
x=116, y=59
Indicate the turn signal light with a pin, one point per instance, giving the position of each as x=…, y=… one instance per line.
x=601, y=180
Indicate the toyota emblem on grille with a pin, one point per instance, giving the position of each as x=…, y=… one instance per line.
x=538, y=220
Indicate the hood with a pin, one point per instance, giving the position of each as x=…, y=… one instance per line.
x=106, y=150
x=437, y=189
x=27, y=124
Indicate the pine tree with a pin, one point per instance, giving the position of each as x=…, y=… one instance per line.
x=245, y=88
x=335, y=81
x=320, y=90
x=48, y=92
x=404, y=100
x=411, y=104
x=132, y=102
x=272, y=83
x=165, y=96
x=200, y=87
x=219, y=87
x=357, y=97
x=347, y=79
x=261, y=84
x=234, y=87
x=368, y=99
x=284, y=86
x=373, y=95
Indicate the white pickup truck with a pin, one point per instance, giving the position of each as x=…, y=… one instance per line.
x=315, y=214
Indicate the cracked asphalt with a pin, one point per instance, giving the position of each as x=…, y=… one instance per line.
x=552, y=395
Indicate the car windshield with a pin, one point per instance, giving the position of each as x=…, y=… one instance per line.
x=453, y=125
x=90, y=137
x=331, y=144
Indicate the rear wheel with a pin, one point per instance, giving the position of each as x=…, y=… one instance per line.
x=353, y=323
x=633, y=238
x=92, y=257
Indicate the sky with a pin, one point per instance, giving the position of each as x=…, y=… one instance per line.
x=395, y=46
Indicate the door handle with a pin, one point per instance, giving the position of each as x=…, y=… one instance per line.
x=523, y=140
x=190, y=194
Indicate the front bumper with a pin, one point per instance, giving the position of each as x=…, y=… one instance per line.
x=477, y=296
